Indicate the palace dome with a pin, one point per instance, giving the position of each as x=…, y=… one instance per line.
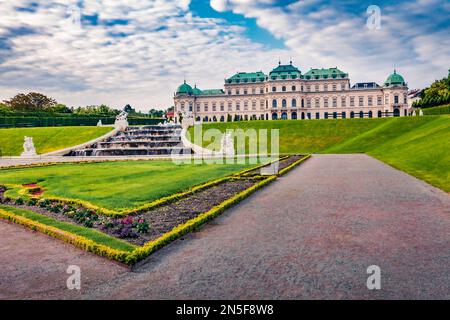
x=395, y=80
x=196, y=91
x=185, y=89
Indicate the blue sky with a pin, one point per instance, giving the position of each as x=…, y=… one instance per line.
x=130, y=51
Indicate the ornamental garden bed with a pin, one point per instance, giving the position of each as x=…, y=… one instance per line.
x=140, y=232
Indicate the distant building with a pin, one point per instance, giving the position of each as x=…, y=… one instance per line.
x=286, y=93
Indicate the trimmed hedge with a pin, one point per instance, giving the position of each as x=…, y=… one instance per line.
x=142, y=252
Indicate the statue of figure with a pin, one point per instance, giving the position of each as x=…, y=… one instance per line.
x=420, y=112
x=28, y=147
x=99, y=123
x=188, y=120
x=227, y=145
x=121, y=121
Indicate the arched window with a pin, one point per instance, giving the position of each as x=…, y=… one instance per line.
x=214, y=119
x=303, y=103
x=284, y=116
x=267, y=116
x=361, y=114
x=334, y=115
x=283, y=103
x=396, y=112
x=370, y=114
x=222, y=119
x=344, y=115
x=303, y=116
x=294, y=115
x=294, y=103
x=205, y=119
x=352, y=114
x=274, y=116
x=379, y=114
x=325, y=116
x=274, y=103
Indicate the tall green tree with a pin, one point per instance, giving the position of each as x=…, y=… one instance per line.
x=32, y=101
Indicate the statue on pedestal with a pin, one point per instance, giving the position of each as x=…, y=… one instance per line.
x=121, y=121
x=227, y=145
x=99, y=123
x=28, y=147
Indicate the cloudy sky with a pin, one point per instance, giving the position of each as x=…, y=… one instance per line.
x=85, y=52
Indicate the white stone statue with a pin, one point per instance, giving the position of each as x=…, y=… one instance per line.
x=414, y=113
x=28, y=147
x=420, y=112
x=121, y=121
x=99, y=123
x=227, y=145
x=188, y=120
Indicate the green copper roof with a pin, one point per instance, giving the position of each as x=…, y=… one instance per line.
x=246, y=77
x=287, y=71
x=211, y=92
x=395, y=80
x=330, y=73
x=196, y=91
x=185, y=89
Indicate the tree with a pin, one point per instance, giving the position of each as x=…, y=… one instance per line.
x=32, y=101
x=129, y=109
x=437, y=94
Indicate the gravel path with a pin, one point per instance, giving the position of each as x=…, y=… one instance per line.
x=311, y=234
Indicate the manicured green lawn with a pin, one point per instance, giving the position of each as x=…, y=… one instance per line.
x=118, y=185
x=417, y=145
x=47, y=139
x=437, y=110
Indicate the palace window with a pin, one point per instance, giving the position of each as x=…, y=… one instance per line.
x=308, y=103
x=396, y=99
x=283, y=103
x=352, y=101
x=261, y=104
x=197, y=107
x=386, y=99
x=246, y=105
x=253, y=105
x=301, y=88
x=261, y=90
x=214, y=107
x=191, y=106
x=182, y=106
x=294, y=88
x=245, y=91
x=379, y=100
x=370, y=100
x=229, y=92
x=274, y=103
x=361, y=101
x=274, y=89
x=237, y=91
x=230, y=106
x=334, y=87
x=325, y=102
x=325, y=87
x=308, y=88
x=222, y=106
x=253, y=90
x=294, y=103
x=205, y=105
x=316, y=88
x=283, y=88
x=238, y=106
x=334, y=102
x=405, y=99
x=343, y=102
x=342, y=86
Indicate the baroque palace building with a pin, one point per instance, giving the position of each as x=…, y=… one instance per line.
x=286, y=93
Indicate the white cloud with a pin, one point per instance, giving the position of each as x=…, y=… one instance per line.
x=166, y=43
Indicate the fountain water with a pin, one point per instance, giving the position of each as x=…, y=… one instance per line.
x=138, y=141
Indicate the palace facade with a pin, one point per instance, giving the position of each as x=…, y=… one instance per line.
x=286, y=93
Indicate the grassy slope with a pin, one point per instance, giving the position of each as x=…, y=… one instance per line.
x=118, y=185
x=417, y=145
x=437, y=110
x=47, y=139
x=72, y=228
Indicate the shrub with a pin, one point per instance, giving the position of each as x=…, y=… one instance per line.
x=43, y=203
x=55, y=207
x=127, y=227
x=19, y=201
x=31, y=202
